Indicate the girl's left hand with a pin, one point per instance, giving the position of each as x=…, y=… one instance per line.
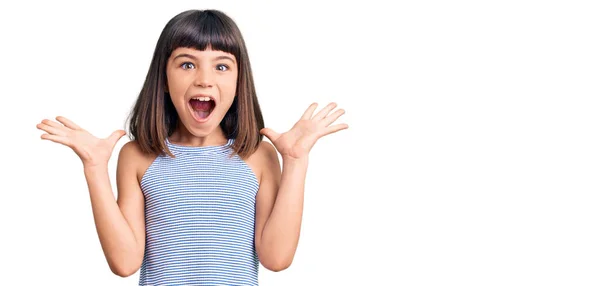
x=297, y=142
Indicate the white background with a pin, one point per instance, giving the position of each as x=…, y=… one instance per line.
x=471, y=158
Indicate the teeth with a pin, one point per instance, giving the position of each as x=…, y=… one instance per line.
x=204, y=98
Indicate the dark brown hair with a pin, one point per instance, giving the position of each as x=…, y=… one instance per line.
x=154, y=118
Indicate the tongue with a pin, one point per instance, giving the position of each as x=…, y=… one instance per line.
x=202, y=108
x=201, y=105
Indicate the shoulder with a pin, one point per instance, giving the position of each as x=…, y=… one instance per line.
x=131, y=151
x=131, y=156
x=266, y=151
x=131, y=148
x=264, y=159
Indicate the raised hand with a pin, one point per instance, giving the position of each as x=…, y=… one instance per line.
x=91, y=150
x=297, y=142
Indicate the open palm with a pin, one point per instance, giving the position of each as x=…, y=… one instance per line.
x=91, y=150
x=299, y=140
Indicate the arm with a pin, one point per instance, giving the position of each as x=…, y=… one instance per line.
x=120, y=224
x=280, y=198
x=280, y=201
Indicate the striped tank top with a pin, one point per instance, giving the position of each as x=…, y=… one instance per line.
x=199, y=209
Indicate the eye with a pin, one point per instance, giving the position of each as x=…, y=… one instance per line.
x=222, y=67
x=186, y=64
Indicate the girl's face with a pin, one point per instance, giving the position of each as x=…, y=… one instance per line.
x=202, y=86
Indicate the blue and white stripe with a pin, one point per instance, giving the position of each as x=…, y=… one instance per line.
x=200, y=210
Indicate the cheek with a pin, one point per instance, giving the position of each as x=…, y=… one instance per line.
x=228, y=85
x=176, y=82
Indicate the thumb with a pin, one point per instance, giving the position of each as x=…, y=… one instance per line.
x=272, y=135
x=115, y=136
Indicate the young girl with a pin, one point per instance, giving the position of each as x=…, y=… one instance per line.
x=201, y=197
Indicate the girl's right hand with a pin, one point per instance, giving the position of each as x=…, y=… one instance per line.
x=91, y=150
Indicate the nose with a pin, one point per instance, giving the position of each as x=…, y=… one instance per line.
x=204, y=77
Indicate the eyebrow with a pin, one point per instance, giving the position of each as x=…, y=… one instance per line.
x=195, y=58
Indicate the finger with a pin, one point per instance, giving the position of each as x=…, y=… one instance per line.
x=68, y=123
x=51, y=130
x=55, y=138
x=335, y=128
x=52, y=123
x=272, y=135
x=115, y=136
x=333, y=117
x=325, y=111
x=57, y=127
x=309, y=111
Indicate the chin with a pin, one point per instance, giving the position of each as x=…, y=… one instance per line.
x=205, y=128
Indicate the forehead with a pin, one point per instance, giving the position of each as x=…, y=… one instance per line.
x=207, y=54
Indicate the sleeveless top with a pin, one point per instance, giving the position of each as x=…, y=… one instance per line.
x=199, y=209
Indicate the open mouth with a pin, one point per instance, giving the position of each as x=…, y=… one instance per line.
x=202, y=107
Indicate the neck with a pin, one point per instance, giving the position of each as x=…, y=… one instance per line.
x=182, y=136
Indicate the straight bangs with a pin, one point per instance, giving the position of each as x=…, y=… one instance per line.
x=204, y=30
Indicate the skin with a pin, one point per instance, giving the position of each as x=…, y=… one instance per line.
x=191, y=72
x=280, y=198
